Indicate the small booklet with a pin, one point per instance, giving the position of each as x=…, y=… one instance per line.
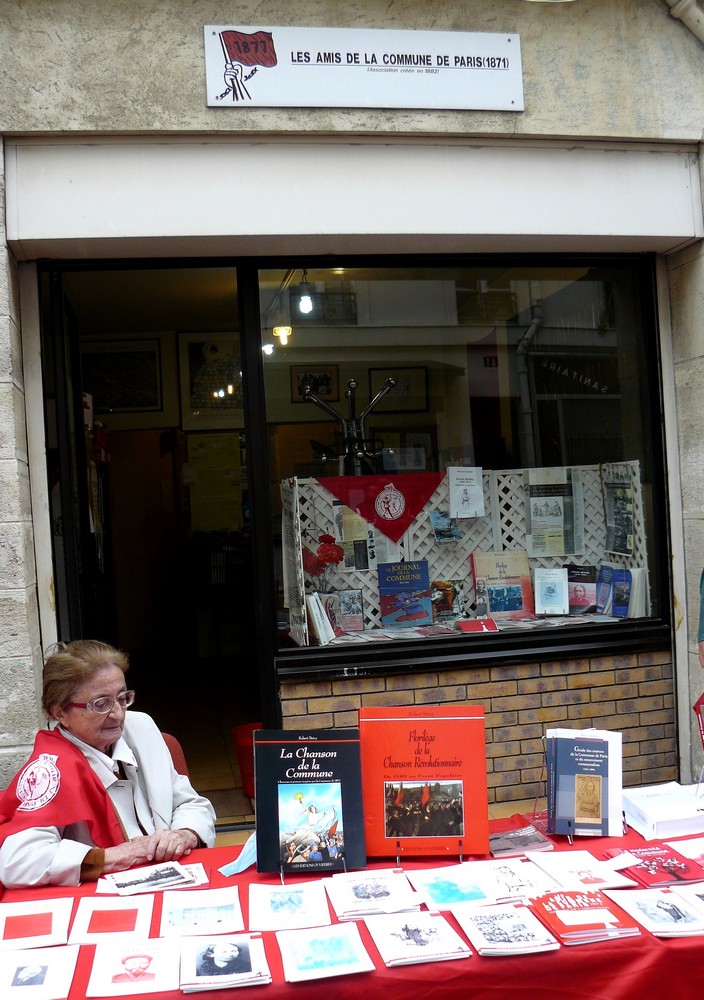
x=582, y=917
x=408, y=939
x=223, y=962
x=658, y=865
x=441, y=888
x=34, y=924
x=510, y=843
x=320, y=952
x=664, y=912
x=361, y=894
x=580, y=869
x=201, y=911
x=49, y=970
x=135, y=967
x=275, y=907
x=505, y=929
x=511, y=879
x=101, y=918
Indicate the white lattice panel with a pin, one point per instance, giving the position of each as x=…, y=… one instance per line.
x=502, y=527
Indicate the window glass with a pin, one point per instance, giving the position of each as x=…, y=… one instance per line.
x=506, y=408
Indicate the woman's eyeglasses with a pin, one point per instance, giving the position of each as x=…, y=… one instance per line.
x=103, y=706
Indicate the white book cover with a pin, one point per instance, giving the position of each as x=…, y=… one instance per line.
x=508, y=879
x=35, y=924
x=663, y=912
x=504, y=929
x=321, y=952
x=412, y=938
x=277, y=907
x=225, y=961
x=666, y=810
x=356, y=894
x=581, y=870
x=201, y=911
x=101, y=917
x=441, y=888
x=691, y=847
x=550, y=591
x=38, y=974
x=148, y=966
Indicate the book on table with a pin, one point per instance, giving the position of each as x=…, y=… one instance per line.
x=308, y=800
x=223, y=962
x=361, y=894
x=424, y=780
x=320, y=952
x=510, y=843
x=579, y=916
x=503, y=929
x=582, y=870
x=584, y=782
x=666, y=810
x=412, y=938
x=658, y=865
x=502, y=584
x=662, y=911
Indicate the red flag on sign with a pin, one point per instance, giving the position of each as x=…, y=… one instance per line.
x=390, y=503
x=399, y=796
x=425, y=796
x=254, y=49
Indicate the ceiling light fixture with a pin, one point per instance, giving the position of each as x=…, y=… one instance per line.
x=283, y=333
x=305, y=301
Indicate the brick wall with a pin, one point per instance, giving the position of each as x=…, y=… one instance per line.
x=632, y=694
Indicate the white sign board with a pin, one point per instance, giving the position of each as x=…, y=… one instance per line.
x=362, y=68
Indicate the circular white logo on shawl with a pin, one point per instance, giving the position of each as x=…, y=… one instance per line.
x=390, y=503
x=38, y=783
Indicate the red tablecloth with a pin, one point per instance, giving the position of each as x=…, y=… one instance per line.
x=641, y=968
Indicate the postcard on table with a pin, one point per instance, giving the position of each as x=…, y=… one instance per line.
x=101, y=917
x=43, y=973
x=275, y=907
x=37, y=924
x=323, y=952
x=412, y=938
x=441, y=888
x=201, y=911
x=151, y=878
x=356, y=894
x=148, y=966
x=225, y=961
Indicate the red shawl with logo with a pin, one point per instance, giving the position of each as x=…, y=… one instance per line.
x=57, y=787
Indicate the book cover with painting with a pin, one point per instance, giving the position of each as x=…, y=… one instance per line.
x=502, y=584
x=424, y=780
x=404, y=593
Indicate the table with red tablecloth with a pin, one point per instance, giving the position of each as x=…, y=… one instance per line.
x=629, y=969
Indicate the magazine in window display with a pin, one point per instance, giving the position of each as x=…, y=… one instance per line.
x=551, y=593
x=554, y=510
x=466, y=492
x=505, y=929
x=308, y=800
x=404, y=593
x=446, y=530
x=319, y=626
x=351, y=610
x=409, y=939
x=424, y=780
x=446, y=599
x=502, y=584
x=581, y=587
x=617, y=485
x=584, y=782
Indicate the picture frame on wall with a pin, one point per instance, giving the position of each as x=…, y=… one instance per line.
x=324, y=380
x=409, y=395
x=405, y=449
x=123, y=376
x=210, y=380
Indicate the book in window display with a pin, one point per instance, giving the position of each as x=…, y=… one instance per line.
x=503, y=581
x=424, y=780
x=404, y=593
x=308, y=799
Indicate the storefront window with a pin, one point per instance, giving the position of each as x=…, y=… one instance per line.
x=505, y=408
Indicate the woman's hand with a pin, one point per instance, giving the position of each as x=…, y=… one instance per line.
x=162, y=845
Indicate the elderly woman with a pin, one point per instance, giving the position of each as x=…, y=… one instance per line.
x=99, y=793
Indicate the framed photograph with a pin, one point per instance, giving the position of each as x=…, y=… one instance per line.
x=323, y=380
x=409, y=395
x=406, y=449
x=123, y=376
x=210, y=381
